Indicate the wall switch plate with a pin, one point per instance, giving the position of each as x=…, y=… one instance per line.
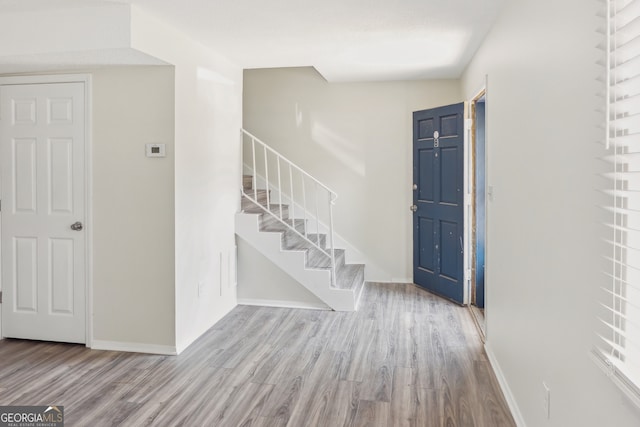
x=200, y=288
x=155, y=150
x=546, y=400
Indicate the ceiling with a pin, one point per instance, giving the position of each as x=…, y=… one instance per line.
x=345, y=40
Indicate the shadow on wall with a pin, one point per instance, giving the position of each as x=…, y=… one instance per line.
x=341, y=148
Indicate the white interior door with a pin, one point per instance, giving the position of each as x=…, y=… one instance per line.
x=42, y=143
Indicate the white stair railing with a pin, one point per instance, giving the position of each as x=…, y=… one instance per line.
x=301, y=192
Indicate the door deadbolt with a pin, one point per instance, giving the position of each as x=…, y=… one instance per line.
x=415, y=186
x=413, y=208
x=76, y=226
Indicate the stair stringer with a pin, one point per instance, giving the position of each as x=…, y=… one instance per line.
x=353, y=255
x=269, y=244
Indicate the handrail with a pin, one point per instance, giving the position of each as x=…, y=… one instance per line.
x=317, y=187
x=264, y=144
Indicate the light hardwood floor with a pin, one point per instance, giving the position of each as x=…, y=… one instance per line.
x=406, y=358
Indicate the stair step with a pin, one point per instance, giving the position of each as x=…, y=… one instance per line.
x=247, y=182
x=259, y=195
x=249, y=207
x=312, y=270
x=293, y=241
x=350, y=276
x=319, y=259
x=268, y=223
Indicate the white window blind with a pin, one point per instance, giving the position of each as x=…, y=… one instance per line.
x=618, y=332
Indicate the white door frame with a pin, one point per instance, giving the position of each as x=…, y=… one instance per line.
x=467, y=206
x=468, y=187
x=86, y=80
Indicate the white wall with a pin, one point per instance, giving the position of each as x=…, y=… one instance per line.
x=543, y=248
x=208, y=117
x=133, y=207
x=357, y=139
x=55, y=29
x=197, y=190
x=66, y=35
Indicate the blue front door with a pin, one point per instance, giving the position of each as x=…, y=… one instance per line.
x=438, y=219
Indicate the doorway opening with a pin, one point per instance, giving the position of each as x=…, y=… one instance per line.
x=477, y=151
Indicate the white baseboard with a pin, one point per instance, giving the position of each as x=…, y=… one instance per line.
x=402, y=280
x=504, y=385
x=134, y=347
x=392, y=281
x=282, y=304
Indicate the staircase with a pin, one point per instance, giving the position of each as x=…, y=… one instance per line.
x=298, y=244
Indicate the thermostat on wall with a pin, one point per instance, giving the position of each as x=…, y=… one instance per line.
x=155, y=150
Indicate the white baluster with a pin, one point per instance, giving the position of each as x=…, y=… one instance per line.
x=291, y=198
x=331, y=247
x=304, y=207
x=266, y=175
x=317, y=216
x=254, y=171
x=279, y=189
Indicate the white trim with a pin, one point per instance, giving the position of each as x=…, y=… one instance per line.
x=403, y=280
x=43, y=79
x=482, y=91
x=628, y=388
x=134, y=347
x=86, y=80
x=504, y=386
x=282, y=304
x=88, y=151
x=487, y=206
x=466, y=231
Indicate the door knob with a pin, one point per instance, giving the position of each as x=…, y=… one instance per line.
x=413, y=208
x=76, y=226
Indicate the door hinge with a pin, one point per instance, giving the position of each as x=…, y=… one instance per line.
x=467, y=199
x=468, y=123
x=467, y=274
x=0, y=297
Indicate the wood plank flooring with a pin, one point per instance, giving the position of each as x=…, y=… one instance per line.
x=406, y=358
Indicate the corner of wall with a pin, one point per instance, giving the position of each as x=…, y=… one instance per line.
x=208, y=106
